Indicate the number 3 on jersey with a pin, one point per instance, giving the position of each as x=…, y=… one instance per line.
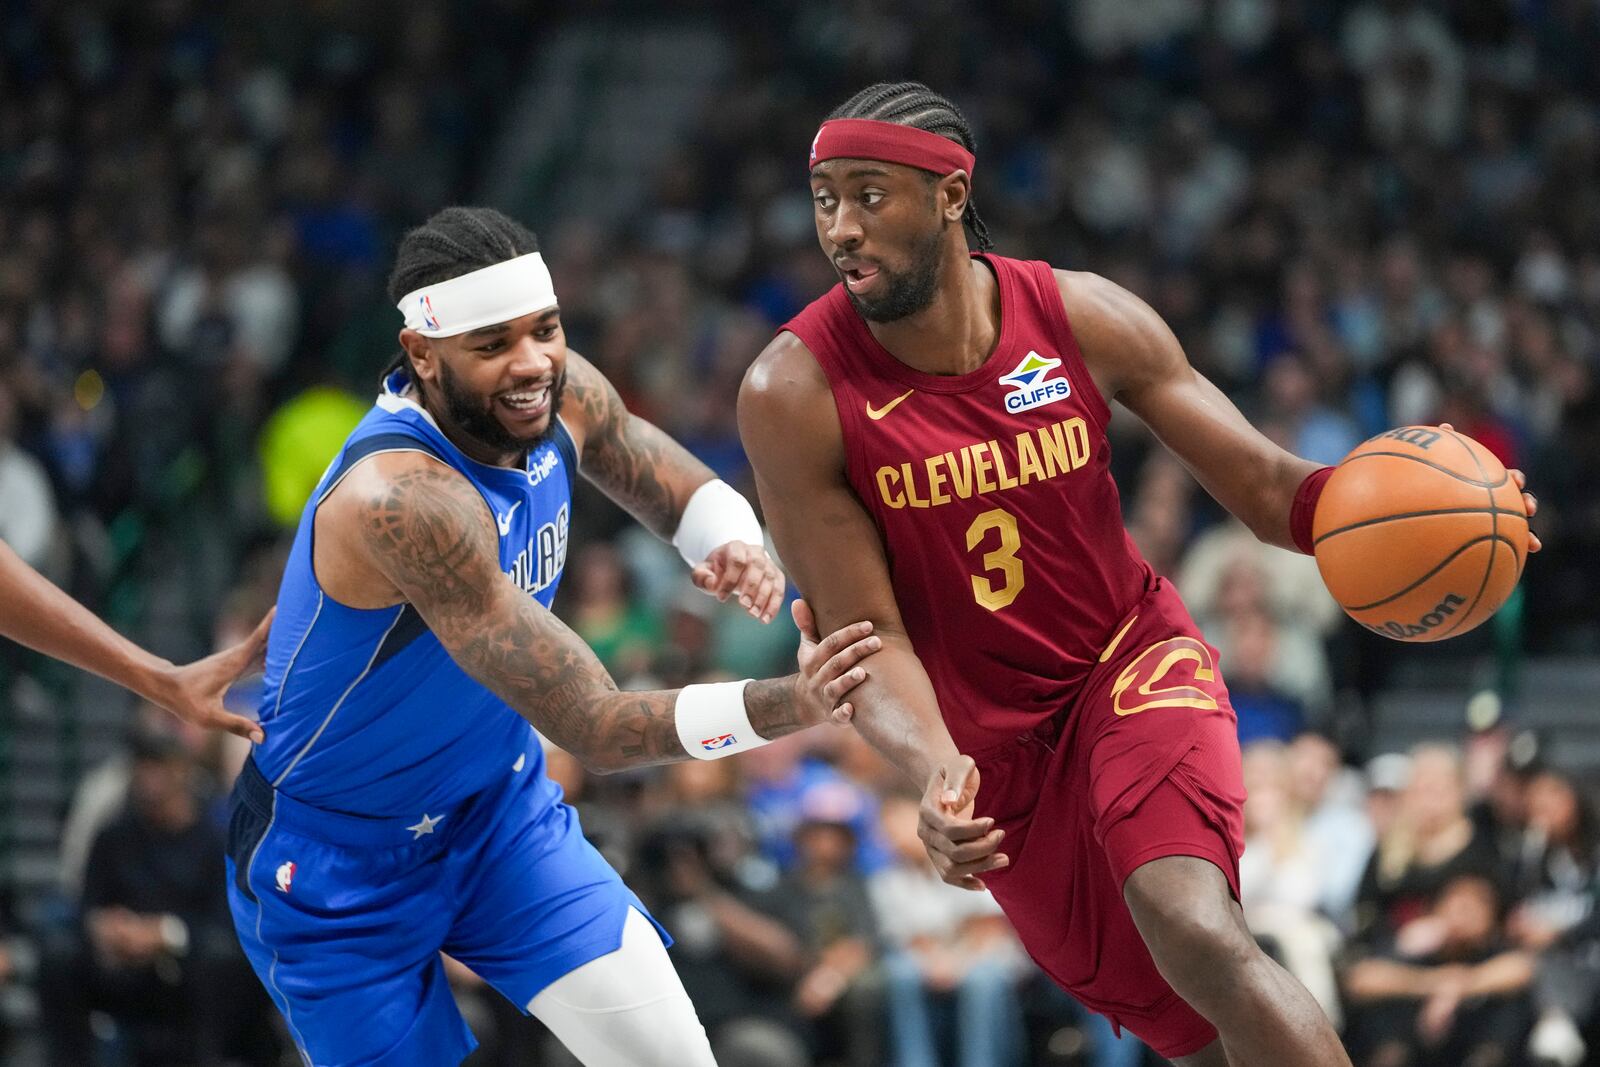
x=1003, y=559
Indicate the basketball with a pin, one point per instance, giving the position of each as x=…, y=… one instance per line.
x=1420, y=534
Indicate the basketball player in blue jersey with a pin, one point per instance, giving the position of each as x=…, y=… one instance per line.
x=399, y=805
x=36, y=613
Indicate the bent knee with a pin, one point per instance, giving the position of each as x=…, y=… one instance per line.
x=1188, y=918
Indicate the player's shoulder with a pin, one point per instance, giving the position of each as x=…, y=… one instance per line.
x=588, y=399
x=1116, y=330
x=785, y=376
x=390, y=482
x=1093, y=295
x=787, y=417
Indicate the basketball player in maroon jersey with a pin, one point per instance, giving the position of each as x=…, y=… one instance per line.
x=929, y=441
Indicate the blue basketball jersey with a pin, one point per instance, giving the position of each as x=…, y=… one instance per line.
x=364, y=710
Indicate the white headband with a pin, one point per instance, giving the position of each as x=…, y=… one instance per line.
x=497, y=293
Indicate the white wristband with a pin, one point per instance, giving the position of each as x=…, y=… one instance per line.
x=712, y=720
x=716, y=514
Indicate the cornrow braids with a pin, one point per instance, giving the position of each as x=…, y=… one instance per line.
x=453, y=242
x=914, y=104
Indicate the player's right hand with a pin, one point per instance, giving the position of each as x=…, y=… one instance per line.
x=960, y=846
x=194, y=692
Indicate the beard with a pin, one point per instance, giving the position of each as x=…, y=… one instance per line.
x=906, y=292
x=474, y=415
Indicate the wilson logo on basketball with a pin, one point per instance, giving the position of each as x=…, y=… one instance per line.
x=1433, y=619
x=1420, y=436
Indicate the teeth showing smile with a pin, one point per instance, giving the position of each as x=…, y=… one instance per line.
x=526, y=401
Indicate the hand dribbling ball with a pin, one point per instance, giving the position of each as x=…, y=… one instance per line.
x=1420, y=534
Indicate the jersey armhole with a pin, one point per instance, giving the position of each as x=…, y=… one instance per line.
x=567, y=446
x=1045, y=279
x=851, y=425
x=376, y=445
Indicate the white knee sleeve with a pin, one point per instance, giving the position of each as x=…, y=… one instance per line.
x=626, y=1009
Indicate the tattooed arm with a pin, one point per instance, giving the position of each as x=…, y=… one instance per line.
x=409, y=522
x=632, y=461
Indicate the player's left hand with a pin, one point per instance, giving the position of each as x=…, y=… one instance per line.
x=194, y=692
x=1529, y=501
x=829, y=668
x=745, y=571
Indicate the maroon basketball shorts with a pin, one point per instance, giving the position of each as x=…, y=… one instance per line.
x=1143, y=765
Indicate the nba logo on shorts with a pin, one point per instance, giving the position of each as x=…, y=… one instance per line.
x=285, y=876
x=711, y=744
x=429, y=319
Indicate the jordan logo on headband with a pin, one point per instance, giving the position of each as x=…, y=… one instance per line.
x=889, y=142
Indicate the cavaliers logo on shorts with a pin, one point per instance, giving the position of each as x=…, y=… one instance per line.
x=1165, y=675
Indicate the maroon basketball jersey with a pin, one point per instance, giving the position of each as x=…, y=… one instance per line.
x=993, y=493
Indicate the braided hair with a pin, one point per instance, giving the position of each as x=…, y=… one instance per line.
x=914, y=104
x=453, y=242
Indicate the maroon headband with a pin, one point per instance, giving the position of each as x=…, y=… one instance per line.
x=889, y=142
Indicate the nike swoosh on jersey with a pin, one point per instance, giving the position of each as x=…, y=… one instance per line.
x=504, y=521
x=877, y=413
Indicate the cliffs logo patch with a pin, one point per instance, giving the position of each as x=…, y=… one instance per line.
x=1031, y=384
x=711, y=744
x=285, y=876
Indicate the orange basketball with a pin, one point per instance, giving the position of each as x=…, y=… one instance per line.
x=1420, y=534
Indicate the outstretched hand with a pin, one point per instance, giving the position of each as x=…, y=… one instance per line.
x=745, y=571
x=194, y=692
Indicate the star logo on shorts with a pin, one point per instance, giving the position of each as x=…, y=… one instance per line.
x=425, y=826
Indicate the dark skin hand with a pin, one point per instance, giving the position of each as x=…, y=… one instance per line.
x=403, y=527
x=869, y=217
x=34, y=612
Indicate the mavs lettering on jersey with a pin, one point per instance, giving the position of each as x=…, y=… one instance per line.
x=544, y=558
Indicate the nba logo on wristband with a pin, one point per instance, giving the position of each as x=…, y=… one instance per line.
x=711, y=744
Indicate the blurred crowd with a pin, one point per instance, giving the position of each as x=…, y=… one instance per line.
x=1353, y=214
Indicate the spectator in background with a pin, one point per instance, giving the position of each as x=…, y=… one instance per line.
x=1314, y=430
x=953, y=963
x=1560, y=863
x=27, y=503
x=824, y=899
x=1430, y=842
x=601, y=607
x=1459, y=999
x=156, y=951
x=1337, y=829
x=1280, y=876
x=777, y=777
x=737, y=959
x=1264, y=712
x=1499, y=767
x=1556, y=917
x=1234, y=577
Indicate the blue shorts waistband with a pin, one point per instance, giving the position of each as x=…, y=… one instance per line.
x=334, y=827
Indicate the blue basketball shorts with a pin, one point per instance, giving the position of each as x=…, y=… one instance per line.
x=344, y=917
